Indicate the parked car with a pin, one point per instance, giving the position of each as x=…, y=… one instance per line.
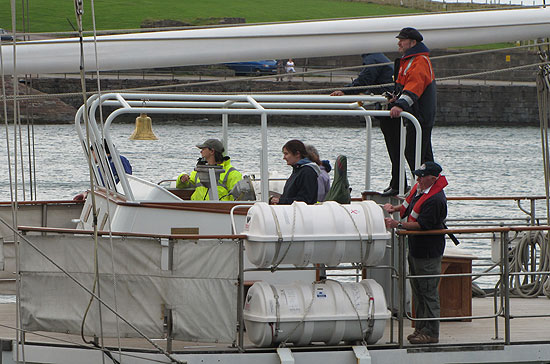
x=253, y=68
x=5, y=36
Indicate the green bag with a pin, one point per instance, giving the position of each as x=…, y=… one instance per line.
x=339, y=190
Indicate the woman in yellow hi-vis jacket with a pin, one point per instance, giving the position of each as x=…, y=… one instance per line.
x=212, y=152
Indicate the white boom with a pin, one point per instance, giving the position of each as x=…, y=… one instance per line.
x=255, y=42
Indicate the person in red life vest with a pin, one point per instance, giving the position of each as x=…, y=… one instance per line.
x=425, y=208
x=415, y=92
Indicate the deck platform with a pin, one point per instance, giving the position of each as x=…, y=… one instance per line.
x=478, y=332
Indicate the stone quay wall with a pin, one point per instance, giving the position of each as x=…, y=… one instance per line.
x=483, y=105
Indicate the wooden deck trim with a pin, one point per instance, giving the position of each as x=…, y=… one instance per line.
x=44, y=202
x=210, y=207
x=140, y=235
x=473, y=230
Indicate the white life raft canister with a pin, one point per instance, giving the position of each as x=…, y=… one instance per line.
x=328, y=233
x=329, y=312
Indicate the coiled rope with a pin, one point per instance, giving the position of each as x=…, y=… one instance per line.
x=531, y=254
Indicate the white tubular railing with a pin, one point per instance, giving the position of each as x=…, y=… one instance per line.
x=226, y=105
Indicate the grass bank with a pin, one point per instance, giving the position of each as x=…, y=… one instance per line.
x=57, y=16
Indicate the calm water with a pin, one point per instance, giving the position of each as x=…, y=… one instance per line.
x=476, y=161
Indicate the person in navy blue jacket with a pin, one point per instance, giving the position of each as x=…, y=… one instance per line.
x=125, y=163
x=302, y=183
x=379, y=75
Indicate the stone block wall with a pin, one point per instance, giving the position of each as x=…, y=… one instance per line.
x=457, y=105
x=454, y=62
x=487, y=105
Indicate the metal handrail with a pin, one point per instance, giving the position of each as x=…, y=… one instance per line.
x=503, y=291
x=225, y=105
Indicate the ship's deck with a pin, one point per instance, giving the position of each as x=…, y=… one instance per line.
x=478, y=332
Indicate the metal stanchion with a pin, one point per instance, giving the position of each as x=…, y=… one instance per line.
x=402, y=288
x=240, y=297
x=506, y=286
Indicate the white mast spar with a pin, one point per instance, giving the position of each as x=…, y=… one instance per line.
x=254, y=42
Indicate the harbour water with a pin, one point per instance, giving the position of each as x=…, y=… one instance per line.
x=477, y=161
x=496, y=161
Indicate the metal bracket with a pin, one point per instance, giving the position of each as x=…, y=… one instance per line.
x=166, y=254
x=167, y=326
x=285, y=355
x=362, y=354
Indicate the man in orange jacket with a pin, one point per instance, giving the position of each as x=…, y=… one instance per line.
x=415, y=92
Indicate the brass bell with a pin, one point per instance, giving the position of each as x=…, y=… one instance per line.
x=144, y=129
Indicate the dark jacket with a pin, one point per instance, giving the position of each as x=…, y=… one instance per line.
x=373, y=75
x=432, y=217
x=415, y=85
x=125, y=164
x=302, y=183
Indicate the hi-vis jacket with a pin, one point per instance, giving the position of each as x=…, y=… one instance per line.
x=227, y=181
x=415, y=84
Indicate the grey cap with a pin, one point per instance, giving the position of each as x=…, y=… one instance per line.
x=214, y=144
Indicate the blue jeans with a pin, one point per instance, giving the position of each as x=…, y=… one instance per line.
x=425, y=293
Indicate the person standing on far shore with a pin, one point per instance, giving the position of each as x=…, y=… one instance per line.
x=280, y=69
x=289, y=68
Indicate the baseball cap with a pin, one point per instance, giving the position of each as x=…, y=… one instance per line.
x=214, y=144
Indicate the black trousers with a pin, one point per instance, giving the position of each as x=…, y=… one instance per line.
x=390, y=129
x=426, y=153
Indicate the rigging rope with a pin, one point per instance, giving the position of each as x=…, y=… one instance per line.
x=213, y=82
x=114, y=276
x=532, y=252
x=543, y=94
x=8, y=149
x=29, y=107
x=81, y=285
x=19, y=338
x=79, y=10
x=78, y=344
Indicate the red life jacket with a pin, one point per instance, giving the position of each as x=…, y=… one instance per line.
x=439, y=185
